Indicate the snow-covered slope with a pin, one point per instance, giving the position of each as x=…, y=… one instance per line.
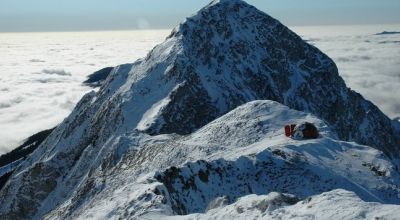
x=147, y=141
x=337, y=204
x=244, y=152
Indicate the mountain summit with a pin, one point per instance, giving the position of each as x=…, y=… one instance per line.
x=230, y=53
x=152, y=138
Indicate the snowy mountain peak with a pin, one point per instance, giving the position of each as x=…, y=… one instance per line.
x=225, y=1
x=230, y=53
x=215, y=2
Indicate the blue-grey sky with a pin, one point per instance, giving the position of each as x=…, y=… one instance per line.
x=80, y=15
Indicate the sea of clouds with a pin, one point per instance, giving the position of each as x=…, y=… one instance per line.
x=41, y=74
x=369, y=63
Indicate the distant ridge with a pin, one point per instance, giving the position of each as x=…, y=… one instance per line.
x=97, y=78
x=388, y=32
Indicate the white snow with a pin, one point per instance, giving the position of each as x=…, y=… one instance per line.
x=152, y=114
x=336, y=204
x=315, y=164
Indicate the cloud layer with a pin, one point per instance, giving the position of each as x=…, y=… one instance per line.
x=41, y=74
x=369, y=63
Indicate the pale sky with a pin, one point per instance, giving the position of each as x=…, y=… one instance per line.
x=81, y=15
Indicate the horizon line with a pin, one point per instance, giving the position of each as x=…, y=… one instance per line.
x=166, y=29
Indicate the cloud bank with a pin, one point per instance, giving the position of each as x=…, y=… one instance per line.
x=41, y=74
x=369, y=63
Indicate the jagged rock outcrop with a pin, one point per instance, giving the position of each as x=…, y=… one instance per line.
x=324, y=206
x=227, y=55
x=97, y=78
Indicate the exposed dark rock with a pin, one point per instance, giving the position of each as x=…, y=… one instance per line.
x=4, y=178
x=97, y=78
x=396, y=125
x=26, y=148
x=388, y=32
x=234, y=179
x=375, y=169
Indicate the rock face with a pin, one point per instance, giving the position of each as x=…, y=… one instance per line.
x=324, y=206
x=97, y=78
x=396, y=125
x=227, y=55
x=9, y=161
